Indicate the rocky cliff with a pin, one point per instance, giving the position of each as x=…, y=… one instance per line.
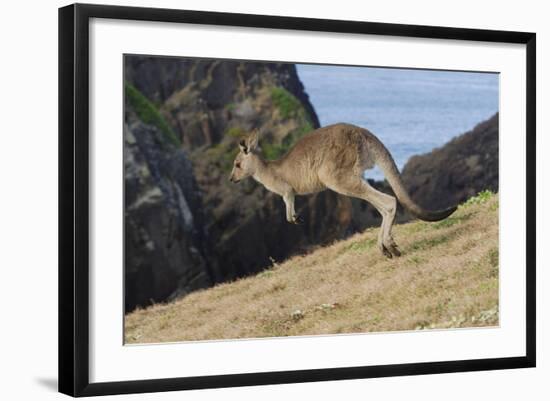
x=164, y=224
x=456, y=171
x=205, y=107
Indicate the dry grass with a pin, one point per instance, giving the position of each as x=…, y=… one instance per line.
x=447, y=277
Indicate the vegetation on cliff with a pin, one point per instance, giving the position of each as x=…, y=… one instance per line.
x=288, y=107
x=148, y=113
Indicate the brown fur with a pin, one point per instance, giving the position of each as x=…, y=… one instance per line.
x=334, y=157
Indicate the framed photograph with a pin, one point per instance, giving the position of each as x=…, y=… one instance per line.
x=251, y=199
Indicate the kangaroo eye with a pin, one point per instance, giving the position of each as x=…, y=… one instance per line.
x=238, y=165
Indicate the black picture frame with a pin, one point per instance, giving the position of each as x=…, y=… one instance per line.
x=74, y=198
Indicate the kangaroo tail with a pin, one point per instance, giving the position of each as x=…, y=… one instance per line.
x=384, y=160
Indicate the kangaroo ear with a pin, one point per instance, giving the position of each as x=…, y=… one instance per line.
x=252, y=142
x=243, y=146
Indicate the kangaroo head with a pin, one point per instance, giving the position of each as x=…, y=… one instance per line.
x=246, y=161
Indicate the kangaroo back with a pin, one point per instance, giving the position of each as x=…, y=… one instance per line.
x=384, y=160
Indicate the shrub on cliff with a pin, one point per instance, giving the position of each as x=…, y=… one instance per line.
x=148, y=113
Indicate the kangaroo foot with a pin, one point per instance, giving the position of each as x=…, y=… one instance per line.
x=385, y=251
x=394, y=250
x=391, y=246
x=389, y=250
x=296, y=219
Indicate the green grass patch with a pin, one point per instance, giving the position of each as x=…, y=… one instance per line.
x=487, y=286
x=493, y=257
x=416, y=260
x=289, y=107
x=265, y=273
x=276, y=150
x=148, y=113
x=427, y=243
x=298, y=133
x=223, y=155
x=273, y=151
x=235, y=132
x=451, y=221
x=286, y=102
x=481, y=198
x=416, y=227
x=362, y=246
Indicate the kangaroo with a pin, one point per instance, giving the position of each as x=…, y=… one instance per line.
x=333, y=157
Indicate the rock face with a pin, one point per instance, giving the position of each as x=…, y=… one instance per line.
x=458, y=170
x=203, y=99
x=210, y=105
x=164, y=225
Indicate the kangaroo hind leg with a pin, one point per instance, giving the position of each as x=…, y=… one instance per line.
x=384, y=203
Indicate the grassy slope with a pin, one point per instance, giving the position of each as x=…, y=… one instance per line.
x=447, y=277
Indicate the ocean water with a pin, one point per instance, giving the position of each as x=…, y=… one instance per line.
x=411, y=111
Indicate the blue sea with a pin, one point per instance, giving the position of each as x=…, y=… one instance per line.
x=411, y=111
